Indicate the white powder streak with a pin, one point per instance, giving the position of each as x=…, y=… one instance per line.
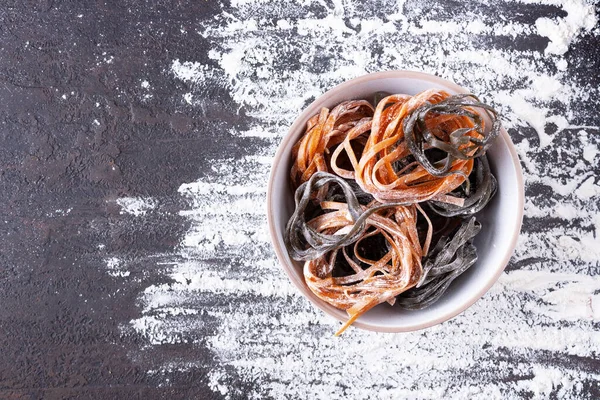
x=566, y=296
x=188, y=71
x=581, y=17
x=113, y=267
x=136, y=206
x=588, y=189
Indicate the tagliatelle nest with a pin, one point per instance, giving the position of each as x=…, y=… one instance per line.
x=372, y=281
x=324, y=131
x=360, y=173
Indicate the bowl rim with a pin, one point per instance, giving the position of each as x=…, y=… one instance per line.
x=280, y=252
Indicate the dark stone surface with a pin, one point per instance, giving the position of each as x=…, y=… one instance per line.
x=59, y=318
x=61, y=312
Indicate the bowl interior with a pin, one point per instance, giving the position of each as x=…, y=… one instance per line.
x=501, y=219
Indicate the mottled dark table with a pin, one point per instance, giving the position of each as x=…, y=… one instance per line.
x=123, y=274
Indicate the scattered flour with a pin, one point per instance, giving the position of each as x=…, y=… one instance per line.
x=545, y=381
x=590, y=150
x=218, y=382
x=588, y=189
x=188, y=71
x=581, y=17
x=137, y=206
x=273, y=59
x=113, y=267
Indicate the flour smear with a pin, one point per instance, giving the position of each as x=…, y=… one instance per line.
x=136, y=206
x=523, y=338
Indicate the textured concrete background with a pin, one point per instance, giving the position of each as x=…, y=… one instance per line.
x=60, y=312
x=76, y=134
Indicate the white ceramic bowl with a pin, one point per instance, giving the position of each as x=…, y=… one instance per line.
x=501, y=219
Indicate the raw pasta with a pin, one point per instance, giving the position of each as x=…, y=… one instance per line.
x=385, y=198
